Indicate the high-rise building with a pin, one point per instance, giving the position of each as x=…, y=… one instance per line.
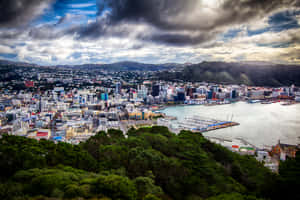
x=190, y=91
x=201, y=90
x=233, y=94
x=118, y=88
x=104, y=96
x=210, y=94
x=155, y=90
x=215, y=88
x=180, y=94
x=142, y=92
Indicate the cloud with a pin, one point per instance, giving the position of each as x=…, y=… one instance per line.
x=169, y=22
x=15, y=13
x=11, y=34
x=284, y=20
x=66, y=50
x=181, y=39
x=81, y=5
x=6, y=49
x=45, y=32
x=177, y=22
x=190, y=14
x=158, y=31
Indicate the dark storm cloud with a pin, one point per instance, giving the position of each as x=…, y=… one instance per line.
x=237, y=11
x=172, y=14
x=12, y=34
x=155, y=12
x=178, y=22
x=180, y=39
x=15, y=13
x=100, y=28
x=171, y=22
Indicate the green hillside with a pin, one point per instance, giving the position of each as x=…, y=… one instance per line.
x=149, y=164
x=259, y=74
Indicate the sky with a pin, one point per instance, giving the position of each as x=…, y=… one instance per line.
x=52, y=32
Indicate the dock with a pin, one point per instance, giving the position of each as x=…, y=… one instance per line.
x=247, y=143
x=201, y=124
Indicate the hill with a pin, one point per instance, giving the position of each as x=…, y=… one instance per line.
x=149, y=164
x=249, y=73
x=119, y=66
x=18, y=64
x=125, y=66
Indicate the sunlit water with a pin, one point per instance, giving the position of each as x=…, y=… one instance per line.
x=260, y=124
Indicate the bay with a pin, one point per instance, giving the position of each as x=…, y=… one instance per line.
x=260, y=124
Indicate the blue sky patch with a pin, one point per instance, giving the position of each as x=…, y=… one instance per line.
x=8, y=55
x=232, y=33
x=279, y=22
x=61, y=8
x=284, y=20
x=276, y=45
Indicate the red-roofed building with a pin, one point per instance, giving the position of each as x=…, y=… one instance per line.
x=29, y=84
x=235, y=148
x=43, y=134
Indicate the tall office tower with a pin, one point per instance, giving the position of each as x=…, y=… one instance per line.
x=118, y=88
x=155, y=90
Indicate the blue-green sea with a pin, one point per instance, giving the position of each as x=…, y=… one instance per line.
x=260, y=124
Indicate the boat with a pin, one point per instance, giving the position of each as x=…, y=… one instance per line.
x=254, y=101
x=266, y=102
x=288, y=103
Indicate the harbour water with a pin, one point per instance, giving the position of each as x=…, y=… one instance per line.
x=260, y=124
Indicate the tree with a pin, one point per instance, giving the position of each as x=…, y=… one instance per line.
x=146, y=185
x=150, y=163
x=113, y=133
x=151, y=197
x=116, y=187
x=288, y=183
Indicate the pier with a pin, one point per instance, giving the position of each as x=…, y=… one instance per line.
x=247, y=143
x=201, y=124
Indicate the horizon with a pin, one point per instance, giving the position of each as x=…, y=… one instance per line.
x=60, y=32
x=251, y=62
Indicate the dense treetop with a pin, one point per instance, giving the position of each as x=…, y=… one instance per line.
x=147, y=164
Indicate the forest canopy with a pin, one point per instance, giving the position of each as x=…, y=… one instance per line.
x=148, y=164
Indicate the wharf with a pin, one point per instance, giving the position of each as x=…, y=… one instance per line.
x=247, y=143
x=225, y=125
x=200, y=124
x=219, y=139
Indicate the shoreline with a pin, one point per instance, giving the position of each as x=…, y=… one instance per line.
x=163, y=107
x=290, y=137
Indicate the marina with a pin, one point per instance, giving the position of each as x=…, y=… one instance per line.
x=202, y=124
x=195, y=124
x=259, y=124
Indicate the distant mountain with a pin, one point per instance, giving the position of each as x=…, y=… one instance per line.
x=12, y=63
x=128, y=66
x=119, y=66
x=249, y=73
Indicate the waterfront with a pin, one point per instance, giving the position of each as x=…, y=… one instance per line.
x=260, y=124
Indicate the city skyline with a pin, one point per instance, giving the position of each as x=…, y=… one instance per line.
x=55, y=32
x=149, y=99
